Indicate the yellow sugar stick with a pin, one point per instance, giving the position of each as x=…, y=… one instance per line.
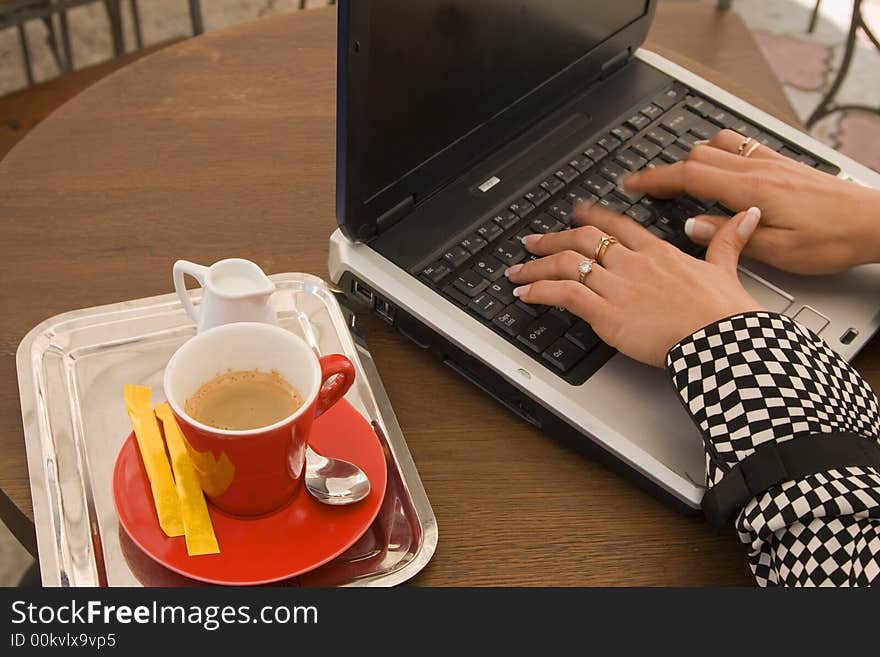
x=152, y=448
x=199, y=531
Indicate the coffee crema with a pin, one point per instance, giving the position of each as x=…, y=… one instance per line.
x=243, y=399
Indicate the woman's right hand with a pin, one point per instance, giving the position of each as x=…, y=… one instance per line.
x=812, y=223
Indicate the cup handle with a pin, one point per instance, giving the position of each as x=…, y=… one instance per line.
x=198, y=272
x=331, y=393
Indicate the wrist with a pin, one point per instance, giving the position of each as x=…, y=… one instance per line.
x=867, y=234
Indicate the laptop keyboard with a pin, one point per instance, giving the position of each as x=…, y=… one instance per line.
x=471, y=272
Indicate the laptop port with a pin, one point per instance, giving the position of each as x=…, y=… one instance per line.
x=362, y=292
x=385, y=310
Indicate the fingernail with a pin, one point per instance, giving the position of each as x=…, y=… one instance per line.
x=510, y=271
x=748, y=223
x=699, y=230
x=529, y=239
x=521, y=290
x=700, y=142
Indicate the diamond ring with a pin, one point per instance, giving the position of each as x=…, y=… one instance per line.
x=583, y=269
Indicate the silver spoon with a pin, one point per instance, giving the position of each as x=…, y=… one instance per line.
x=331, y=481
x=334, y=481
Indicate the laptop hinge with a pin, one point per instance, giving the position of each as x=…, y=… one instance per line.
x=615, y=63
x=395, y=214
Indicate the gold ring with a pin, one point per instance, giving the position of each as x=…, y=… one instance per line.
x=751, y=149
x=604, y=244
x=743, y=146
x=585, y=268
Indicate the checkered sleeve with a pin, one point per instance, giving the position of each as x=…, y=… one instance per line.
x=760, y=377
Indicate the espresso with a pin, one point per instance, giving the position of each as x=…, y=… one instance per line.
x=245, y=399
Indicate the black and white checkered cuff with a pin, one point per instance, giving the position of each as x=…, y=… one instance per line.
x=759, y=377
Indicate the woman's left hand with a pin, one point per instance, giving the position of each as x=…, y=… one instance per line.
x=647, y=295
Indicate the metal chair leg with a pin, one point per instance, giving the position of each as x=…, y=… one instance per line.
x=136, y=19
x=52, y=41
x=65, y=35
x=195, y=17
x=814, y=17
x=25, y=54
x=114, y=15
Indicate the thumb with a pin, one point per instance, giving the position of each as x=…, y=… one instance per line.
x=725, y=248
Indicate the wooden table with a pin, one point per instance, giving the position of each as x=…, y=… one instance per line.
x=223, y=146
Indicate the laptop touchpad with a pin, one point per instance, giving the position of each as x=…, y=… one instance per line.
x=772, y=298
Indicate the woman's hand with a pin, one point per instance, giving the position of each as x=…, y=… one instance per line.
x=813, y=223
x=647, y=295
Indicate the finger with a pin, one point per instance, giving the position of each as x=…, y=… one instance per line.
x=584, y=240
x=731, y=238
x=571, y=295
x=695, y=178
x=627, y=231
x=730, y=141
x=720, y=159
x=702, y=228
x=560, y=267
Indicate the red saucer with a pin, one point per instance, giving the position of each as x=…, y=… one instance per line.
x=303, y=535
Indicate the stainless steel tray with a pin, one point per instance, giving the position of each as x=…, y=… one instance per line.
x=71, y=369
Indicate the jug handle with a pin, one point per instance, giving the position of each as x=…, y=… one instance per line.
x=198, y=272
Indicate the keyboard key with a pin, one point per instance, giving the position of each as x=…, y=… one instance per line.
x=436, y=272
x=638, y=122
x=544, y=223
x=656, y=162
x=686, y=141
x=628, y=196
x=581, y=163
x=521, y=208
x=803, y=158
x=486, y=306
x=669, y=225
x=699, y=106
x=473, y=243
x=659, y=136
x=457, y=295
x=532, y=310
x=490, y=231
x=512, y=320
x=470, y=283
x=598, y=185
x=566, y=174
x=630, y=160
x=826, y=167
x=502, y=289
x=542, y=333
x=612, y=172
x=582, y=335
x=678, y=121
x=641, y=214
x=510, y=252
x=561, y=211
x=609, y=142
x=662, y=234
x=647, y=149
x=580, y=195
x=552, y=184
x=668, y=98
x=506, y=219
x=673, y=153
x=651, y=111
x=622, y=133
x=456, y=256
x=536, y=196
x=704, y=130
x=614, y=204
x=489, y=268
x=769, y=141
x=745, y=129
x=562, y=314
x=595, y=152
x=563, y=354
x=723, y=118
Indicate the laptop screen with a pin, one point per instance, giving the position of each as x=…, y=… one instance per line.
x=439, y=69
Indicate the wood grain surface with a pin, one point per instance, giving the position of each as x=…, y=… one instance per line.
x=223, y=146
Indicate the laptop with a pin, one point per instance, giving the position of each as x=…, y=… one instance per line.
x=465, y=124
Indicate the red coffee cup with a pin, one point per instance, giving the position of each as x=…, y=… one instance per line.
x=255, y=471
